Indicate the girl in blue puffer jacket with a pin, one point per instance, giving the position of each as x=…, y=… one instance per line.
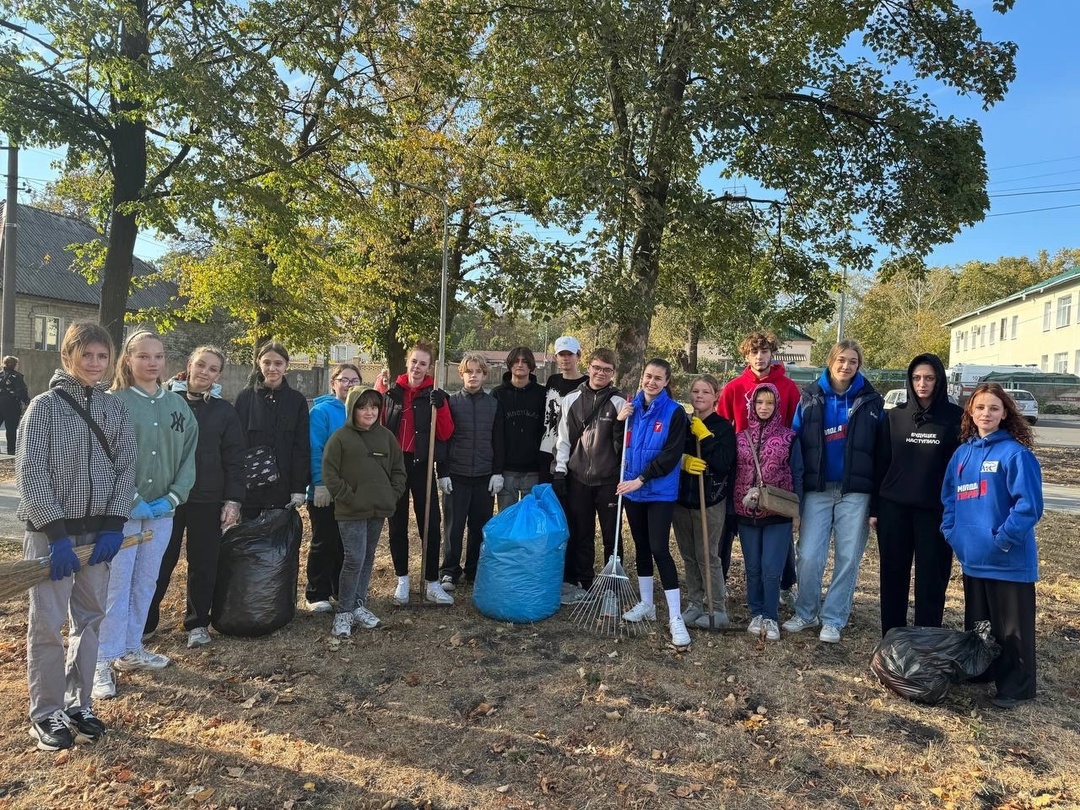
x=655, y=436
x=992, y=496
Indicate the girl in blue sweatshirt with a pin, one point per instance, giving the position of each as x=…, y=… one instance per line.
x=992, y=497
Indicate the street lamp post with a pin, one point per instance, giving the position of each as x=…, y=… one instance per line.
x=440, y=373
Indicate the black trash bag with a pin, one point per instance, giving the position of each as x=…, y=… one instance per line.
x=921, y=663
x=258, y=566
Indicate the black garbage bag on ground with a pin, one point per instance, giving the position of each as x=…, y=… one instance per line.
x=921, y=663
x=255, y=592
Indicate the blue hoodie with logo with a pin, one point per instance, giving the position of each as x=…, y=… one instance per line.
x=327, y=415
x=993, y=498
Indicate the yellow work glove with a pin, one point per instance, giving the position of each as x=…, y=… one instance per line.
x=697, y=427
x=693, y=464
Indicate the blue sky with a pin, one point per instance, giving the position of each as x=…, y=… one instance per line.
x=1032, y=141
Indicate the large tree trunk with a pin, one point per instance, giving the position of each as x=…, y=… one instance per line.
x=129, y=178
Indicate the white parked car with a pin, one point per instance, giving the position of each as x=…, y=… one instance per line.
x=1025, y=403
x=898, y=396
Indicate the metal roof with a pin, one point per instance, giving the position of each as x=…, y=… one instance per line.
x=1041, y=287
x=43, y=265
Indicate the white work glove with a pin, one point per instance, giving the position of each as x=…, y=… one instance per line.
x=495, y=485
x=445, y=486
x=297, y=499
x=322, y=496
x=230, y=514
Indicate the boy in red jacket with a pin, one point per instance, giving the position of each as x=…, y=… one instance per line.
x=758, y=348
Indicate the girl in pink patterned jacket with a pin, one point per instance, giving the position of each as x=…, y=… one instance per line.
x=765, y=536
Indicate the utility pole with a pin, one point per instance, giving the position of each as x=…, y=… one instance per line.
x=11, y=231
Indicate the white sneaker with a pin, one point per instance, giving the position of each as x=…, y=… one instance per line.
x=641, y=612
x=796, y=624
x=754, y=628
x=609, y=605
x=401, y=594
x=829, y=634
x=447, y=583
x=366, y=618
x=692, y=613
x=679, y=636
x=141, y=659
x=772, y=631
x=342, y=625
x=436, y=594
x=104, y=684
x=320, y=606
x=573, y=594
x=198, y=637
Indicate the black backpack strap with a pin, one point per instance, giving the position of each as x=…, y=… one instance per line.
x=94, y=426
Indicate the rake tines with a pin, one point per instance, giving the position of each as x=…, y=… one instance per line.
x=609, y=597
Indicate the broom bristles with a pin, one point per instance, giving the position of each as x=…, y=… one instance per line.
x=20, y=576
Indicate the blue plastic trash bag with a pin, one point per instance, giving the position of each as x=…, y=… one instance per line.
x=519, y=576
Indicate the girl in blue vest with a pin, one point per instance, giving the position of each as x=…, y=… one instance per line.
x=655, y=436
x=992, y=497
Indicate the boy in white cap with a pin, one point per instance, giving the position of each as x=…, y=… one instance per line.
x=559, y=385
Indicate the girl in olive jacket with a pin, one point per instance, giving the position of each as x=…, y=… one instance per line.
x=364, y=469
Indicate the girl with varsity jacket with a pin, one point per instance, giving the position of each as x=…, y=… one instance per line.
x=765, y=536
x=167, y=434
x=992, y=498
x=75, y=473
x=656, y=435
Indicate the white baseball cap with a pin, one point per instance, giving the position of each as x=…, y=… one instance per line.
x=567, y=343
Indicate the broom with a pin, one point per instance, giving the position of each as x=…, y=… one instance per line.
x=22, y=575
x=611, y=593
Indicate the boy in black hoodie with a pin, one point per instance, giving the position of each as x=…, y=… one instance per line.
x=915, y=441
x=522, y=399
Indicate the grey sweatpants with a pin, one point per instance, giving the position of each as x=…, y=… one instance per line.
x=687, y=526
x=56, y=683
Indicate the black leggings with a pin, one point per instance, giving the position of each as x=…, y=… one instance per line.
x=202, y=522
x=399, y=521
x=650, y=525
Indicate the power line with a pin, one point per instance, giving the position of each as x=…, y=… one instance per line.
x=1033, y=177
x=1033, y=210
x=1034, y=163
x=1031, y=193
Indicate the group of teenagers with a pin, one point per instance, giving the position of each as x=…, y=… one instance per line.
x=99, y=462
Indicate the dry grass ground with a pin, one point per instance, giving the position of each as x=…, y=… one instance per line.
x=444, y=708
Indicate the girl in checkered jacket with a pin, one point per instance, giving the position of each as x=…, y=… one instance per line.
x=168, y=434
x=75, y=472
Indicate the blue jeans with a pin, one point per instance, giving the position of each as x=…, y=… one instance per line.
x=844, y=517
x=516, y=486
x=358, y=541
x=765, y=551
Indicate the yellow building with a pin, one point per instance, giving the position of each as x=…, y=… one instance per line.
x=1039, y=325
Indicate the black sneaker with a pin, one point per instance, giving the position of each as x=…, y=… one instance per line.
x=87, y=727
x=52, y=733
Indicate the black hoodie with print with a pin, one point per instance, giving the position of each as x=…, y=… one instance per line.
x=914, y=444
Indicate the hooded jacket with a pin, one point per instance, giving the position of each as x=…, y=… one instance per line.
x=219, y=455
x=67, y=484
x=992, y=496
x=914, y=444
x=523, y=423
x=736, y=395
x=363, y=469
x=838, y=433
x=654, y=447
x=327, y=415
x=778, y=454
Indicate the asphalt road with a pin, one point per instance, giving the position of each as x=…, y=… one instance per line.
x=1058, y=431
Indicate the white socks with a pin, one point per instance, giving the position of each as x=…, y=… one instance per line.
x=674, y=601
x=646, y=586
